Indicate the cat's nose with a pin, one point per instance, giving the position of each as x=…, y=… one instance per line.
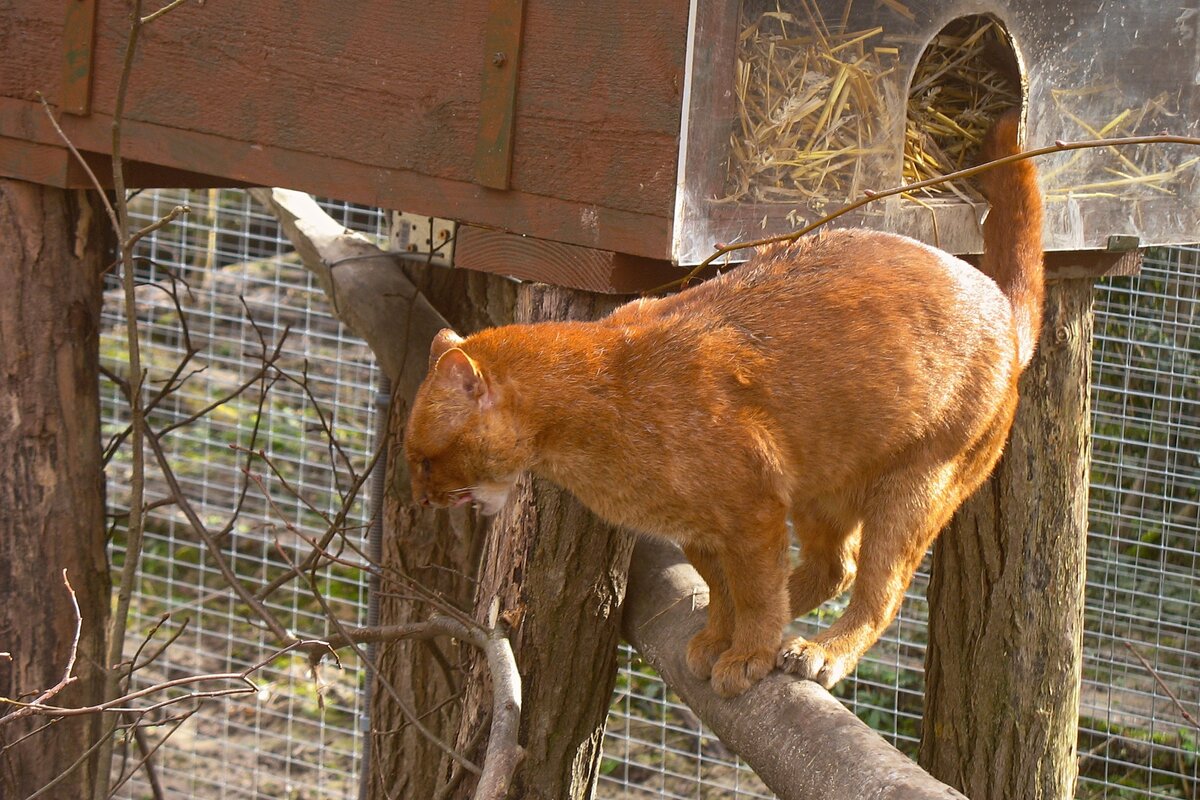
x=424, y=499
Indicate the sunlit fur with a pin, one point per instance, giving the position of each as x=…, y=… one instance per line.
x=858, y=381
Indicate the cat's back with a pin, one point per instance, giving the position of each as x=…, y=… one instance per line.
x=838, y=278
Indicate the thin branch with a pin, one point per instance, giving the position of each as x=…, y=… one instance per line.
x=277, y=629
x=68, y=677
x=373, y=669
x=148, y=752
x=112, y=215
x=504, y=752
x=169, y=7
x=1163, y=685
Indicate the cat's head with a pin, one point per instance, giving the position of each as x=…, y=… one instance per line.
x=463, y=443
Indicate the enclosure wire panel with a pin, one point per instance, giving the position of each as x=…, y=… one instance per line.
x=1143, y=561
x=231, y=266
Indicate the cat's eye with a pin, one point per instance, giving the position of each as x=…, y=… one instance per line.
x=426, y=467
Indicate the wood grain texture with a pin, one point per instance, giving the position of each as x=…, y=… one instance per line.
x=559, y=264
x=79, y=31
x=241, y=163
x=394, y=89
x=498, y=96
x=52, y=495
x=1006, y=596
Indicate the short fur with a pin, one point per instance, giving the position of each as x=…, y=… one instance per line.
x=859, y=382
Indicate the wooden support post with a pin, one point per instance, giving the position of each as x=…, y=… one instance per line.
x=52, y=494
x=1006, y=595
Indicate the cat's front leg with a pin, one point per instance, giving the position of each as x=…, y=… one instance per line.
x=714, y=638
x=756, y=568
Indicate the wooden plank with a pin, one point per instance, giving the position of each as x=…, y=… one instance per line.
x=52, y=165
x=498, y=96
x=35, y=163
x=559, y=264
x=383, y=83
x=242, y=163
x=79, y=32
x=1092, y=264
x=1068, y=264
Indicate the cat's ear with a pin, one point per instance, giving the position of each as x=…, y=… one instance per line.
x=444, y=340
x=461, y=372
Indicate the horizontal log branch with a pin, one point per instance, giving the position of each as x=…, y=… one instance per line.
x=800, y=741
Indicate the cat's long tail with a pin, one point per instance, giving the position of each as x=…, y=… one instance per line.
x=1012, y=232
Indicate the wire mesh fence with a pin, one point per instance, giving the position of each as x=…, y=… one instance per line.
x=301, y=738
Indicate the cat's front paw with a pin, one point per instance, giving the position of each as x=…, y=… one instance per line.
x=703, y=651
x=813, y=662
x=736, y=671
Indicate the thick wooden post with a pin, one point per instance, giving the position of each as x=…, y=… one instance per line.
x=52, y=493
x=556, y=575
x=1006, y=595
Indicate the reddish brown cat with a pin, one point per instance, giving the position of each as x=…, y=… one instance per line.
x=860, y=382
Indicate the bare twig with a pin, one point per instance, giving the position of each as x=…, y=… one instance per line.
x=112, y=214
x=68, y=677
x=277, y=629
x=146, y=762
x=1183, y=712
x=459, y=631
x=504, y=752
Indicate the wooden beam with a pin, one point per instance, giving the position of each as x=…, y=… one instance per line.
x=1070, y=264
x=248, y=164
x=53, y=165
x=560, y=264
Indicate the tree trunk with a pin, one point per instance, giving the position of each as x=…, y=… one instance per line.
x=52, y=495
x=556, y=575
x=438, y=548
x=1007, y=590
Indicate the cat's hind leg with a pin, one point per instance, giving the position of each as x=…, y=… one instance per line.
x=901, y=520
x=755, y=563
x=828, y=561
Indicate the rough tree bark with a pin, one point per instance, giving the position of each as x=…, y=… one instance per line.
x=556, y=575
x=52, y=496
x=439, y=548
x=1006, y=595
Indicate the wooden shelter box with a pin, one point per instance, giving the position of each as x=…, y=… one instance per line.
x=599, y=144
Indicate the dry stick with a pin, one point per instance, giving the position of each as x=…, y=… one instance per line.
x=459, y=631
x=337, y=523
x=147, y=752
x=67, y=678
x=1158, y=679
x=136, y=523
x=871, y=196
x=277, y=629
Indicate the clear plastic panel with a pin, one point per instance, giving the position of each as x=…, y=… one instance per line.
x=796, y=107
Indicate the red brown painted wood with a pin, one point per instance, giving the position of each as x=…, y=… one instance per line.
x=379, y=102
